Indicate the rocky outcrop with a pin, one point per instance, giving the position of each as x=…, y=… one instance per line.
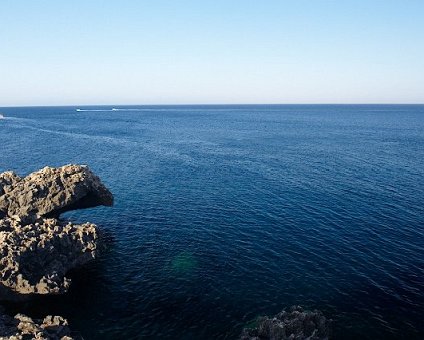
x=37, y=250
x=295, y=324
x=7, y=181
x=23, y=327
x=50, y=192
x=34, y=258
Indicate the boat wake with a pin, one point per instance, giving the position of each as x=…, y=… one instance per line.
x=129, y=109
x=153, y=109
x=93, y=110
x=111, y=110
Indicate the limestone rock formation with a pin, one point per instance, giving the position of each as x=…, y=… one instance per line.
x=34, y=258
x=36, y=249
x=50, y=192
x=7, y=181
x=23, y=327
x=295, y=324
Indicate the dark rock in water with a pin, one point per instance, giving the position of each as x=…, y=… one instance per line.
x=34, y=258
x=24, y=327
x=295, y=324
x=50, y=192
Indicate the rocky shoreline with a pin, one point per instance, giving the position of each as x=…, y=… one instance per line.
x=24, y=327
x=294, y=324
x=37, y=248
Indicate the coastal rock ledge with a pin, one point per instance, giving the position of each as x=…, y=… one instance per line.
x=23, y=327
x=50, y=192
x=294, y=324
x=36, y=248
x=34, y=258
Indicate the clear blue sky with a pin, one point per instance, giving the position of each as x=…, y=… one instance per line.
x=166, y=52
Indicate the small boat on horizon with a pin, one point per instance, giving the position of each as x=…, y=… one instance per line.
x=97, y=110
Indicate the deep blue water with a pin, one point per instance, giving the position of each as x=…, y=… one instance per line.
x=224, y=213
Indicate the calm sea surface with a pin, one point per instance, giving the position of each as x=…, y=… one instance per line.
x=224, y=213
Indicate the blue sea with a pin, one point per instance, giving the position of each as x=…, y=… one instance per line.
x=223, y=213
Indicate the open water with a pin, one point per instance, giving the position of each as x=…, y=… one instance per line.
x=224, y=213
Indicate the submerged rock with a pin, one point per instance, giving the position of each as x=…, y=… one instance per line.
x=34, y=258
x=295, y=324
x=24, y=327
x=50, y=192
x=183, y=263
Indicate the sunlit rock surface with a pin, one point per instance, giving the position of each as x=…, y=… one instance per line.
x=37, y=249
x=35, y=257
x=23, y=327
x=50, y=192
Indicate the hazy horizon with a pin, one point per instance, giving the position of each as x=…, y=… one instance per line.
x=211, y=53
x=217, y=104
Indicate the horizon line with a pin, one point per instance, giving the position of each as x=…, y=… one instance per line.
x=207, y=104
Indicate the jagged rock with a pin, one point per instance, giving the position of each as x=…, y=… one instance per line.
x=23, y=327
x=295, y=324
x=50, y=192
x=34, y=258
x=7, y=181
x=36, y=250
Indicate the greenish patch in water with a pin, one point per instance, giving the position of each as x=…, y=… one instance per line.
x=252, y=324
x=184, y=263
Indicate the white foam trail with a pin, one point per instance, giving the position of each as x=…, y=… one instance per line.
x=105, y=110
x=158, y=109
x=178, y=109
x=81, y=135
x=93, y=110
x=129, y=109
x=2, y=117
